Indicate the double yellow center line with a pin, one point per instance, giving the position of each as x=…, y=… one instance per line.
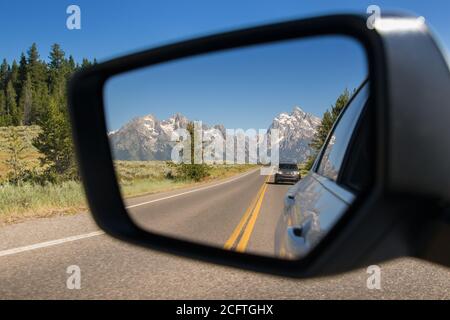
x=241, y=234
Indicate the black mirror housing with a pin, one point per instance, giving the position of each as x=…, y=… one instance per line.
x=376, y=227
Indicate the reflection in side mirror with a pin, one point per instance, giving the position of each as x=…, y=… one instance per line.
x=231, y=150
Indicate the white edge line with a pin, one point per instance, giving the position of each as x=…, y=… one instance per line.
x=99, y=233
x=191, y=191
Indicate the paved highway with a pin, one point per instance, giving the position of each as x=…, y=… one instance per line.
x=240, y=214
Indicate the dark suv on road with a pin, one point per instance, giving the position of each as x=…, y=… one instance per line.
x=287, y=172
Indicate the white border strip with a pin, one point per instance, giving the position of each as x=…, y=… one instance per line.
x=99, y=233
x=49, y=243
x=191, y=191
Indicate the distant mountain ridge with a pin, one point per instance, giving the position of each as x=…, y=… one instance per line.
x=296, y=130
x=147, y=138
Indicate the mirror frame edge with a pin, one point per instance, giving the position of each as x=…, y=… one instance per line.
x=98, y=174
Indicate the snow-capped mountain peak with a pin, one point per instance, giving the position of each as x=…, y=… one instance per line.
x=147, y=138
x=296, y=129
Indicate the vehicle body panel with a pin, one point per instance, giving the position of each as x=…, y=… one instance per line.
x=314, y=205
x=311, y=206
x=395, y=216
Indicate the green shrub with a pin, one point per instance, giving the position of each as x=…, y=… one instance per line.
x=195, y=172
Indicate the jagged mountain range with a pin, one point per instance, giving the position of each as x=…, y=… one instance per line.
x=147, y=138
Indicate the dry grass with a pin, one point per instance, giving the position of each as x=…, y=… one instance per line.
x=146, y=177
x=31, y=155
x=18, y=203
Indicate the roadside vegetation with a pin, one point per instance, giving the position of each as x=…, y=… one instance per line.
x=328, y=119
x=38, y=172
x=144, y=177
x=31, y=200
x=17, y=152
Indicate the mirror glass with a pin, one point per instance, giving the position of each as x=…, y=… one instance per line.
x=225, y=149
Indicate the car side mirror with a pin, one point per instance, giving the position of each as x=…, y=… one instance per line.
x=364, y=225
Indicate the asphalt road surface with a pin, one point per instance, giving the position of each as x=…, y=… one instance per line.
x=240, y=214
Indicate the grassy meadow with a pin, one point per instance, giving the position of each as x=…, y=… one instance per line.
x=29, y=200
x=145, y=177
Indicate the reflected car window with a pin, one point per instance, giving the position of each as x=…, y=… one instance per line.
x=337, y=144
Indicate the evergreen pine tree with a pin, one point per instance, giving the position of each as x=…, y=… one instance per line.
x=38, y=73
x=55, y=144
x=71, y=65
x=34, y=92
x=85, y=63
x=57, y=69
x=4, y=74
x=3, y=116
x=57, y=57
x=22, y=71
x=340, y=104
x=14, y=77
x=322, y=131
x=26, y=101
x=329, y=118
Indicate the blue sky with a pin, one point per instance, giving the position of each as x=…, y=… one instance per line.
x=243, y=88
x=114, y=27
